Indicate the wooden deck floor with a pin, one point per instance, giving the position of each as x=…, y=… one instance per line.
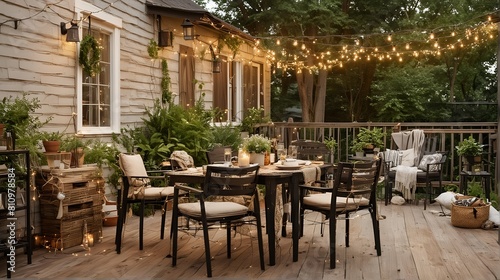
x=416, y=244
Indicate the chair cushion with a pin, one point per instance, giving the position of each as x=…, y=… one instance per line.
x=132, y=165
x=323, y=200
x=429, y=159
x=154, y=192
x=214, y=210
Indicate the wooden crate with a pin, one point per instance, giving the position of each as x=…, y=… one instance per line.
x=68, y=233
x=82, y=204
x=49, y=210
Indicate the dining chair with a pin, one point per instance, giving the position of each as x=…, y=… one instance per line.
x=226, y=182
x=312, y=150
x=216, y=155
x=353, y=189
x=137, y=187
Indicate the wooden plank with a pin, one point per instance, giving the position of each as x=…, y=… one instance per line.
x=416, y=244
x=424, y=248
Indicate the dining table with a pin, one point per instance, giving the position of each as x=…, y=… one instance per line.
x=270, y=176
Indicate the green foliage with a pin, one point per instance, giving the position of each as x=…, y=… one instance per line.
x=149, y=209
x=52, y=136
x=252, y=117
x=232, y=42
x=410, y=92
x=225, y=135
x=19, y=113
x=257, y=144
x=451, y=188
x=166, y=93
x=330, y=143
x=19, y=116
x=72, y=142
x=367, y=137
x=101, y=153
x=474, y=188
x=153, y=49
x=167, y=129
x=469, y=147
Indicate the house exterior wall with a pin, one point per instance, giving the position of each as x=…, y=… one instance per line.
x=35, y=57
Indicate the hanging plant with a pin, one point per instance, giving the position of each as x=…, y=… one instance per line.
x=90, y=55
x=153, y=49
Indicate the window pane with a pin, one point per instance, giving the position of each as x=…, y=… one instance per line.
x=250, y=87
x=96, y=99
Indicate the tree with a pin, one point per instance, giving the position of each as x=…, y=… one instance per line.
x=327, y=46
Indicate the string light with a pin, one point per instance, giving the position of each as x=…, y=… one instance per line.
x=467, y=37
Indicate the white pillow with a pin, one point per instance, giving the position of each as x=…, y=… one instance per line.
x=398, y=200
x=446, y=199
x=494, y=215
x=428, y=159
x=408, y=157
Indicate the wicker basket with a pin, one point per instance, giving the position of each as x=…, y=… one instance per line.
x=469, y=216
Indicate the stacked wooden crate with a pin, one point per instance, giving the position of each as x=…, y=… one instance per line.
x=81, y=207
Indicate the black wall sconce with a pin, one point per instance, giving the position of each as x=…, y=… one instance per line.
x=72, y=34
x=188, y=29
x=216, y=61
x=216, y=65
x=165, y=38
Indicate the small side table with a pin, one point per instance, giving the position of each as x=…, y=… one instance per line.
x=484, y=176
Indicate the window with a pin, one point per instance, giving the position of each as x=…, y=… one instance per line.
x=98, y=97
x=236, y=89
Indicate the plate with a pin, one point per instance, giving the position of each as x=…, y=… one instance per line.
x=288, y=167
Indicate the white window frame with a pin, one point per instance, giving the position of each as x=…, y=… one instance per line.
x=112, y=25
x=238, y=84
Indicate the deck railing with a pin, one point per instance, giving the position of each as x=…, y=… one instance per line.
x=448, y=134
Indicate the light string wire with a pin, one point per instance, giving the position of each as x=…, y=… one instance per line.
x=49, y=7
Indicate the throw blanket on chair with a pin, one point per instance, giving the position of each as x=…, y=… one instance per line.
x=406, y=181
x=410, y=139
x=183, y=159
x=312, y=174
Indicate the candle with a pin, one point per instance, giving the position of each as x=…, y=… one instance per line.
x=38, y=240
x=243, y=159
x=90, y=239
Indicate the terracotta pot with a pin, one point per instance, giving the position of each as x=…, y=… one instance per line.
x=2, y=127
x=51, y=146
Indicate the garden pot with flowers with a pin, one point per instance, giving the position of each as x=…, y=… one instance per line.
x=258, y=147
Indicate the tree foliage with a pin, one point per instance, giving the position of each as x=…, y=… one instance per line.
x=372, y=90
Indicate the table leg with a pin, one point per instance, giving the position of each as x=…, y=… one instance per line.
x=463, y=183
x=294, y=196
x=270, y=203
x=487, y=187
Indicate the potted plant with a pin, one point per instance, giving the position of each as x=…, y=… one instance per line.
x=257, y=146
x=331, y=144
x=471, y=150
x=368, y=139
x=51, y=141
x=252, y=117
x=76, y=146
x=17, y=116
x=225, y=136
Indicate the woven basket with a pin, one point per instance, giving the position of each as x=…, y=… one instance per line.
x=469, y=216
